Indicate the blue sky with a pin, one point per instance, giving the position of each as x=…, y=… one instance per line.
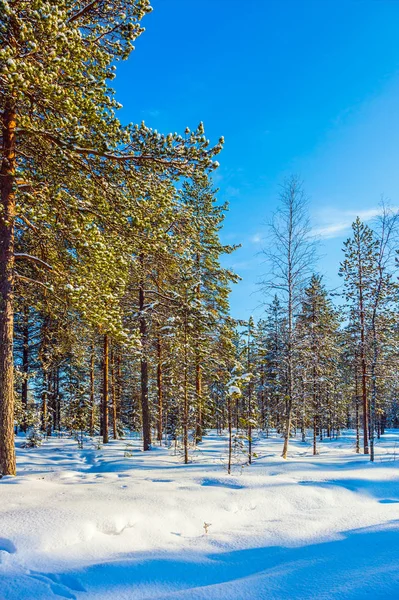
x=309, y=87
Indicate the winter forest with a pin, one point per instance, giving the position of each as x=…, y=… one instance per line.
x=124, y=375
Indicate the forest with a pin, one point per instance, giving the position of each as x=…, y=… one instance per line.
x=153, y=445
x=114, y=304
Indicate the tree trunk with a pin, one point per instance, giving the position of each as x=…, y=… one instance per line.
x=92, y=398
x=315, y=411
x=290, y=374
x=373, y=391
x=198, y=393
x=44, y=410
x=50, y=403
x=185, y=384
x=159, y=390
x=57, y=403
x=25, y=364
x=105, y=390
x=230, y=425
x=145, y=409
x=357, y=413
x=303, y=425
x=113, y=398
x=363, y=364
x=7, y=216
x=118, y=387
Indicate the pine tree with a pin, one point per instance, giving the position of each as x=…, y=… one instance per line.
x=358, y=270
x=318, y=331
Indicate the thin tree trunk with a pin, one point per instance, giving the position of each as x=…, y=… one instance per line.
x=7, y=216
x=185, y=384
x=363, y=364
x=44, y=409
x=113, y=397
x=249, y=417
x=373, y=387
x=105, y=390
x=230, y=425
x=50, y=403
x=118, y=387
x=145, y=409
x=25, y=365
x=314, y=413
x=290, y=374
x=357, y=413
x=57, y=407
x=198, y=393
x=159, y=390
x=92, y=397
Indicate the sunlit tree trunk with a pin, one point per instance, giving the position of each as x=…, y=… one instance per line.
x=7, y=216
x=105, y=390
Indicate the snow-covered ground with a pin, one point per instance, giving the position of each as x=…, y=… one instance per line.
x=97, y=524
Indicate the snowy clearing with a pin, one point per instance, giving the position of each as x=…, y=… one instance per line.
x=93, y=524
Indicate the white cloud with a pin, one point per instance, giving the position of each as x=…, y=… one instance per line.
x=333, y=223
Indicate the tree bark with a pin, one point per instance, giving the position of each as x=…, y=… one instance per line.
x=7, y=216
x=105, y=390
x=198, y=393
x=363, y=362
x=159, y=390
x=113, y=397
x=230, y=425
x=249, y=398
x=25, y=364
x=185, y=386
x=357, y=412
x=92, y=398
x=145, y=408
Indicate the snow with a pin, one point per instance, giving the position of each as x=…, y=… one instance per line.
x=115, y=522
x=233, y=389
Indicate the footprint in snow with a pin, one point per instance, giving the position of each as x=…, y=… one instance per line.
x=7, y=546
x=224, y=484
x=60, y=584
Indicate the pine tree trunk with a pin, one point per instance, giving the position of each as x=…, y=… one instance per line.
x=198, y=370
x=92, y=398
x=230, y=425
x=25, y=365
x=145, y=409
x=363, y=367
x=44, y=410
x=57, y=406
x=159, y=391
x=373, y=392
x=198, y=393
x=303, y=425
x=357, y=413
x=249, y=416
x=118, y=387
x=7, y=216
x=113, y=398
x=50, y=403
x=314, y=434
x=105, y=390
x=314, y=413
x=185, y=385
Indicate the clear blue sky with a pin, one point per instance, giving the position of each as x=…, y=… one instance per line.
x=295, y=86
